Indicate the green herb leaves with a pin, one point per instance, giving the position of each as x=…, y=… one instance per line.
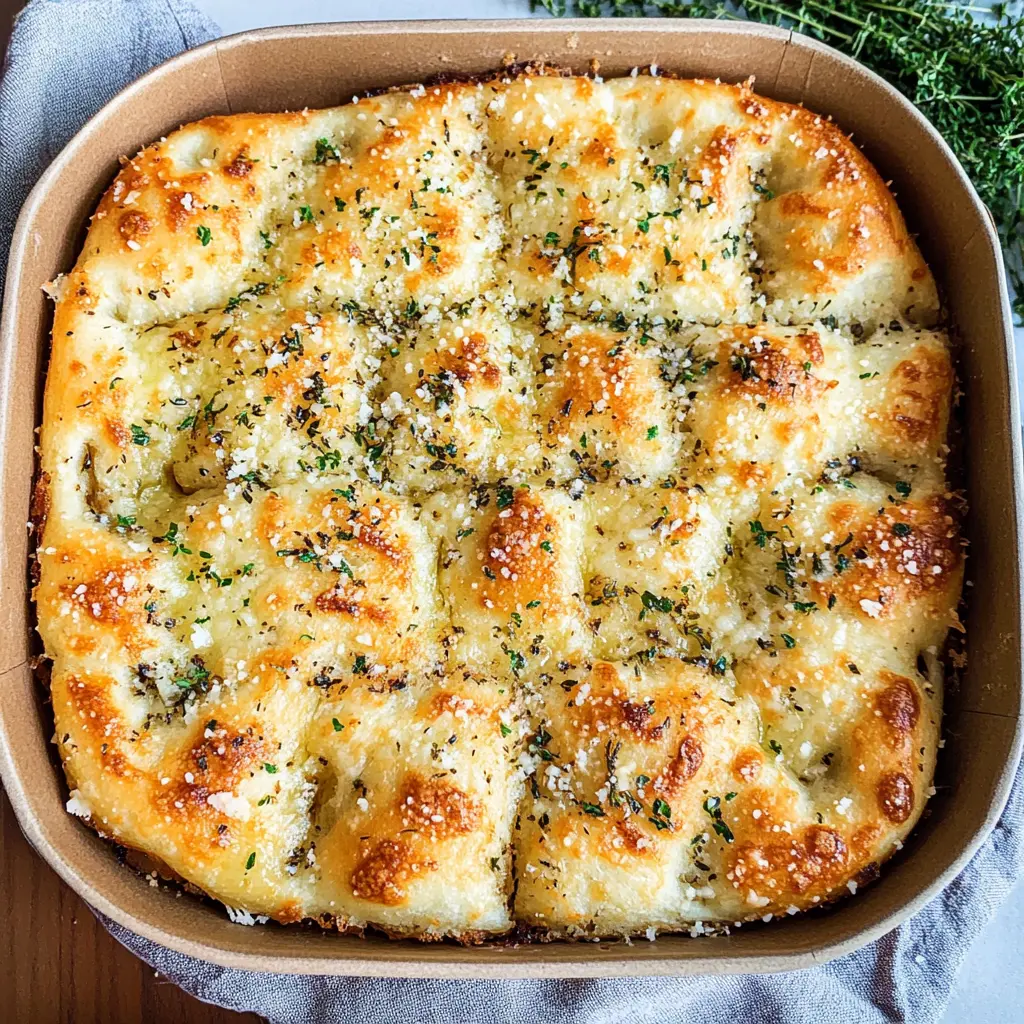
x=661, y=816
x=645, y=223
x=760, y=534
x=965, y=74
x=713, y=808
x=326, y=152
x=173, y=538
x=195, y=676
x=654, y=603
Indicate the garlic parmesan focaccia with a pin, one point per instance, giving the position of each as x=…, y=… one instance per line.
x=518, y=504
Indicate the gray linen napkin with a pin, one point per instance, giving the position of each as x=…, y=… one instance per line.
x=66, y=59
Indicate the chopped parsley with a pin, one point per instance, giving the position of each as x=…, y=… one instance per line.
x=326, y=151
x=761, y=535
x=645, y=224
x=713, y=808
x=661, y=813
x=653, y=603
x=196, y=676
x=171, y=537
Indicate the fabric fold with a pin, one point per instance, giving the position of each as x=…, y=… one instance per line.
x=66, y=59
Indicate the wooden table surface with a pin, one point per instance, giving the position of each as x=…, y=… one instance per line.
x=57, y=963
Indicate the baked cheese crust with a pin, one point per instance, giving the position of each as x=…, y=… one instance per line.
x=515, y=504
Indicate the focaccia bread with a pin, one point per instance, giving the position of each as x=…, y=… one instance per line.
x=517, y=504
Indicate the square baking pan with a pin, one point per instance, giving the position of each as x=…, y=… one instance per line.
x=325, y=65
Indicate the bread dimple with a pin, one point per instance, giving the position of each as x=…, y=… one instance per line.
x=515, y=502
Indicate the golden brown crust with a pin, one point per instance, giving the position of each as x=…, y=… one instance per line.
x=503, y=507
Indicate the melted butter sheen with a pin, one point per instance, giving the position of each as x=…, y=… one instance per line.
x=519, y=503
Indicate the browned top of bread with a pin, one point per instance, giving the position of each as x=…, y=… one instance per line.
x=510, y=502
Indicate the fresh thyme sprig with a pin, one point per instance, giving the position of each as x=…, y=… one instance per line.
x=965, y=74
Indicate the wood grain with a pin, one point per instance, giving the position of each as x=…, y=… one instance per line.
x=58, y=964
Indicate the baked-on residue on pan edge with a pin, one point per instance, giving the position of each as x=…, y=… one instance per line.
x=514, y=504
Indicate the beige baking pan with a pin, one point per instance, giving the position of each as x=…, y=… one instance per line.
x=325, y=65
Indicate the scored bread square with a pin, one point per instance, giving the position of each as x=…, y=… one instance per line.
x=509, y=507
